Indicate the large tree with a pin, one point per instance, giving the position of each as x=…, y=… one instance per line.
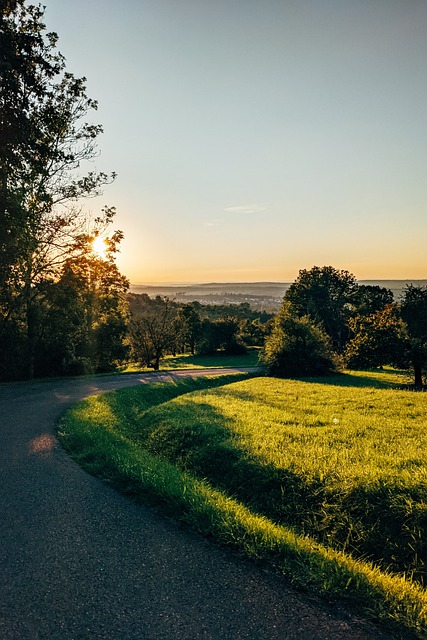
x=45, y=136
x=326, y=295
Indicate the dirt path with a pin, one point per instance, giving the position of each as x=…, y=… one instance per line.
x=79, y=561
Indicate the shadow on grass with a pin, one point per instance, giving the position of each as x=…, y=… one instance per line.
x=378, y=378
x=369, y=520
x=249, y=359
x=188, y=361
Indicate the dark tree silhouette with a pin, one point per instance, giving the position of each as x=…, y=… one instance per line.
x=44, y=139
x=414, y=313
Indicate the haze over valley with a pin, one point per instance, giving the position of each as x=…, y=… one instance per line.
x=259, y=295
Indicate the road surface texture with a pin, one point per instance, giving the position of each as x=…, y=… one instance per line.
x=79, y=561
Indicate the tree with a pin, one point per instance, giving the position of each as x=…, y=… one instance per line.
x=44, y=139
x=153, y=332
x=81, y=318
x=220, y=335
x=297, y=347
x=189, y=327
x=252, y=332
x=369, y=299
x=326, y=295
x=377, y=339
x=100, y=290
x=414, y=313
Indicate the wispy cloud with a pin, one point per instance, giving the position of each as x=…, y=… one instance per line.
x=246, y=208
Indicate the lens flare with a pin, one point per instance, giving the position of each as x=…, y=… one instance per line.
x=99, y=247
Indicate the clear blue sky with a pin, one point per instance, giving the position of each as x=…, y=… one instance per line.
x=255, y=138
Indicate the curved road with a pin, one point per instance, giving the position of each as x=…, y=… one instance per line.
x=79, y=561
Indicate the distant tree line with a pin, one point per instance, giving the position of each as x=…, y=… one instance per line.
x=160, y=326
x=327, y=321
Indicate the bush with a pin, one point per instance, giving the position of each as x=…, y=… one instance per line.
x=298, y=347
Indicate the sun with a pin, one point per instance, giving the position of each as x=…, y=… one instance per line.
x=99, y=247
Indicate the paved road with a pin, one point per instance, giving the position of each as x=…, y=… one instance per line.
x=79, y=561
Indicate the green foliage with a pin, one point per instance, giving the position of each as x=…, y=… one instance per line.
x=220, y=335
x=153, y=331
x=45, y=140
x=297, y=347
x=414, y=313
x=256, y=455
x=160, y=327
x=206, y=329
x=253, y=332
x=326, y=295
x=378, y=339
x=189, y=328
x=369, y=299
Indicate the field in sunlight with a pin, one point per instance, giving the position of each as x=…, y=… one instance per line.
x=322, y=478
x=347, y=465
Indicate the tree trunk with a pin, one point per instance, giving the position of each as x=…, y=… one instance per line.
x=418, y=375
x=31, y=337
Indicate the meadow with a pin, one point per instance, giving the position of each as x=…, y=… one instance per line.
x=188, y=361
x=323, y=479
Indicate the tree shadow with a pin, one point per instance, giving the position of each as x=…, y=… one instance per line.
x=392, y=379
x=366, y=520
x=218, y=359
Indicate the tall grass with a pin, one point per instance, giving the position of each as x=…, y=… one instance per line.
x=314, y=478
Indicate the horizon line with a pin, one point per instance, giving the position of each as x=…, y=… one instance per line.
x=248, y=282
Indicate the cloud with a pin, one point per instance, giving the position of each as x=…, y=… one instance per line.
x=246, y=208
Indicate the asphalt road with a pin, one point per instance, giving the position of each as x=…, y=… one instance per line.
x=79, y=561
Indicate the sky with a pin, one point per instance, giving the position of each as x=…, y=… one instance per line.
x=255, y=138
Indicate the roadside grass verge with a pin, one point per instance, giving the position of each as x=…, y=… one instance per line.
x=294, y=474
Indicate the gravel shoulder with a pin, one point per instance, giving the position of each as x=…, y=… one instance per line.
x=80, y=561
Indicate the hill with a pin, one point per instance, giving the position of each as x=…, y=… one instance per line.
x=260, y=295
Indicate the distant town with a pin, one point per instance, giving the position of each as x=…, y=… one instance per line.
x=259, y=295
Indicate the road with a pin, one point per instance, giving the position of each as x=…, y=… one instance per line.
x=79, y=561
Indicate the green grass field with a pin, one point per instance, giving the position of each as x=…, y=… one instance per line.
x=187, y=361
x=324, y=479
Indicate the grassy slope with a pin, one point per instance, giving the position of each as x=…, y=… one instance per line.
x=347, y=466
x=245, y=461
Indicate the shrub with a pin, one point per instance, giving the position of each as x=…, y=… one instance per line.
x=297, y=347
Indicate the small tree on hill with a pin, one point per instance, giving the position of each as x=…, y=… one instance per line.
x=297, y=347
x=326, y=295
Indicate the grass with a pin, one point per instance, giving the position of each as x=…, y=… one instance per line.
x=326, y=482
x=188, y=361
